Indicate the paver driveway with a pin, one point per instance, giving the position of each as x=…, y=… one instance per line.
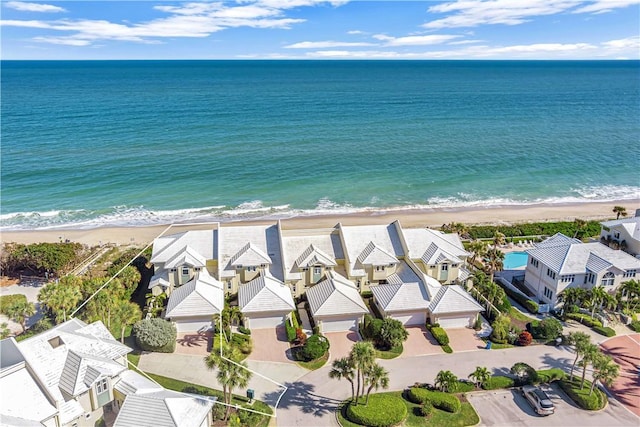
x=270, y=345
x=464, y=339
x=625, y=350
x=195, y=343
x=341, y=342
x=420, y=342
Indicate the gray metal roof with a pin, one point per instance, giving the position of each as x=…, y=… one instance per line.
x=454, y=299
x=249, y=255
x=314, y=256
x=334, y=296
x=166, y=247
x=232, y=244
x=81, y=371
x=433, y=246
x=186, y=256
x=131, y=382
x=202, y=296
x=373, y=254
x=163, y=409
x=401, y=296
x=265, y=293
x=357, y=237
x=296, y=244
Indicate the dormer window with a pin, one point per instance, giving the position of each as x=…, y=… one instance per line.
x=173, y=270
x=317, y=270
x=185, y=271
x=197, y=268
x=380, y=267
x=251, y=268
x=445, y=267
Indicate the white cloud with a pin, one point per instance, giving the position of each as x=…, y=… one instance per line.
x=33, y=7
x=354, y=32
x=605, y=6
x=471, y=13
x=414, y=40
x=632, y=42
x=67, y=41
x=325, y=45
x=460, y=42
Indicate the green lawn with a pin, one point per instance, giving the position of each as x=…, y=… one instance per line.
x=315, y=364
x=466, y=417
x=519, y=319
x=390, y=354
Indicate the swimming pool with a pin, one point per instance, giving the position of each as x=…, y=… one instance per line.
x=514, y=260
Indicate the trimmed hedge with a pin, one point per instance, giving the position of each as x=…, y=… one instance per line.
x=291, y=331
x=498, y=381
x=585, y=319
x=605, y=330
x=634, y=326
x=595, y=402
x=155, y=334
x=549, y=375
x=530, y=305
x=382, y=411
x=315, y=347
x=440, y=335
x=445, y=401
x=447, y=349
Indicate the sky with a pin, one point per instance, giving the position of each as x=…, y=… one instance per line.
x=317, y=29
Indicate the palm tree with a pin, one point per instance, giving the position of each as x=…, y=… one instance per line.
x=61, y=297
x=20, y=311
x=481, y=375
x=495, y=257
x=572, y=296
x=478, y=248
x=4, y=330
x=619, y=210
x=232, y=373
x=629, y=294
x=605, y=370
x=590, y=354
x=597, y=296
x=343, y=368
x=445, y=380
x=579, y=342
x=499, y=239
x=127, y=313
x=376, y=377
x=581, y=226
x=235, y=315
x=130, y=278
x=362, y=356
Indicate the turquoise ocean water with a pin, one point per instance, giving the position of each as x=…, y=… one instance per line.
x=90, y=143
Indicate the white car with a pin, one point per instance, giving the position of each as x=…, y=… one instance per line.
x=538, y=400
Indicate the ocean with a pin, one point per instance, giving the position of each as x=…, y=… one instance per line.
x=97, y=143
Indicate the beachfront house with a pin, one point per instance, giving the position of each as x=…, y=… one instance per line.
x=561, y=262
x=265, y=302
x=439, y=255
x=61, y=377
x=308, y=255
x=372, y=252
x=622, y=234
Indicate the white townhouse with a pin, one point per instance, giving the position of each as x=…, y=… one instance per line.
x=265, y=302
x=71, y=374
x=439, y=255
x=625, y=233
x=561, y=262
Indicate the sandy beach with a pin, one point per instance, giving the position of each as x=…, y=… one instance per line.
x=408, y=218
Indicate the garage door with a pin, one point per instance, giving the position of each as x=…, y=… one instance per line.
x=415, y=318
x=339, y=324
x=265, y=322
x=457, y=322
x=193, y=324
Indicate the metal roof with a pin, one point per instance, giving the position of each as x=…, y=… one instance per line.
x=250, y=245
x=373, y=254
x=453, y=299
x=163, y=409
x=433, y=247
x=186, y=256
x=401, y=296
x=200, y=241
x=334, y=296
x=356, y=238
x=201, y=296
x=263, y=294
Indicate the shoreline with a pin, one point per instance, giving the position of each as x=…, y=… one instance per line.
x=409, y=218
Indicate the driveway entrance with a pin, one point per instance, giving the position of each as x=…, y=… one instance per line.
x=420, y=342
x=341, y=342
x=270, y=345
x=464, y=339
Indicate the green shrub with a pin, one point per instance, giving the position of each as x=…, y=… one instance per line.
x=549, y=375
x=426, y=409
x=595, y=402
x=498, y=381
x=524, y=373
x=294, y=320
x=382, y=411
x=373, y=328
x=530, y=305
x=291, y=331
x=440, y=335
x=585, y=319
x=244, y=330
x=605, y=330
x=9, y=300
x=445, y=401
x=315, y=347
x=463, y=386
x=155, y=334
x=634, y=325
x=447, y=349
x=242, y=342
x=568, y=228
x=366, y=294
x=547, y=329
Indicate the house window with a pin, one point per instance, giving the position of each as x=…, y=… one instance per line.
x=252, y=268
x=535, y=262
x=551, y=273
x=229, y=284
x=616, y=235
x=454, y=265
x=629, y=273
x=185, y=271
x=317, y=270
x=294, y=288
x=358, y=284
x=568, y=278
x=197, y=269
x=445, y=267
x=380, y=267
x=101, y=386
x=173, y=270
x=548, y=293
x=305, y=269
x=607, y=279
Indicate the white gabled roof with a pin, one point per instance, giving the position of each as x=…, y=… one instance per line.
x=631, y=225
x=373, y=254
x=48, y=361
x=201, y=296
x=334, y=296
x=433, y=247
x=199, y=241
x=263, y=294
x=401, y=296
x=250, y=255
x=453, y=299
x=82, y=370
x=313, y=256
x=160, y=279
x=186, y=256
x=131, y=382
x=356, y=239
x=565, y=255
x=164, y=408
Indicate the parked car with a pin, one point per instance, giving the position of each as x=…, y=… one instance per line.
x=538, y=399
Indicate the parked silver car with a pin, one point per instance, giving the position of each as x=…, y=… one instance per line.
x=538, y=400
